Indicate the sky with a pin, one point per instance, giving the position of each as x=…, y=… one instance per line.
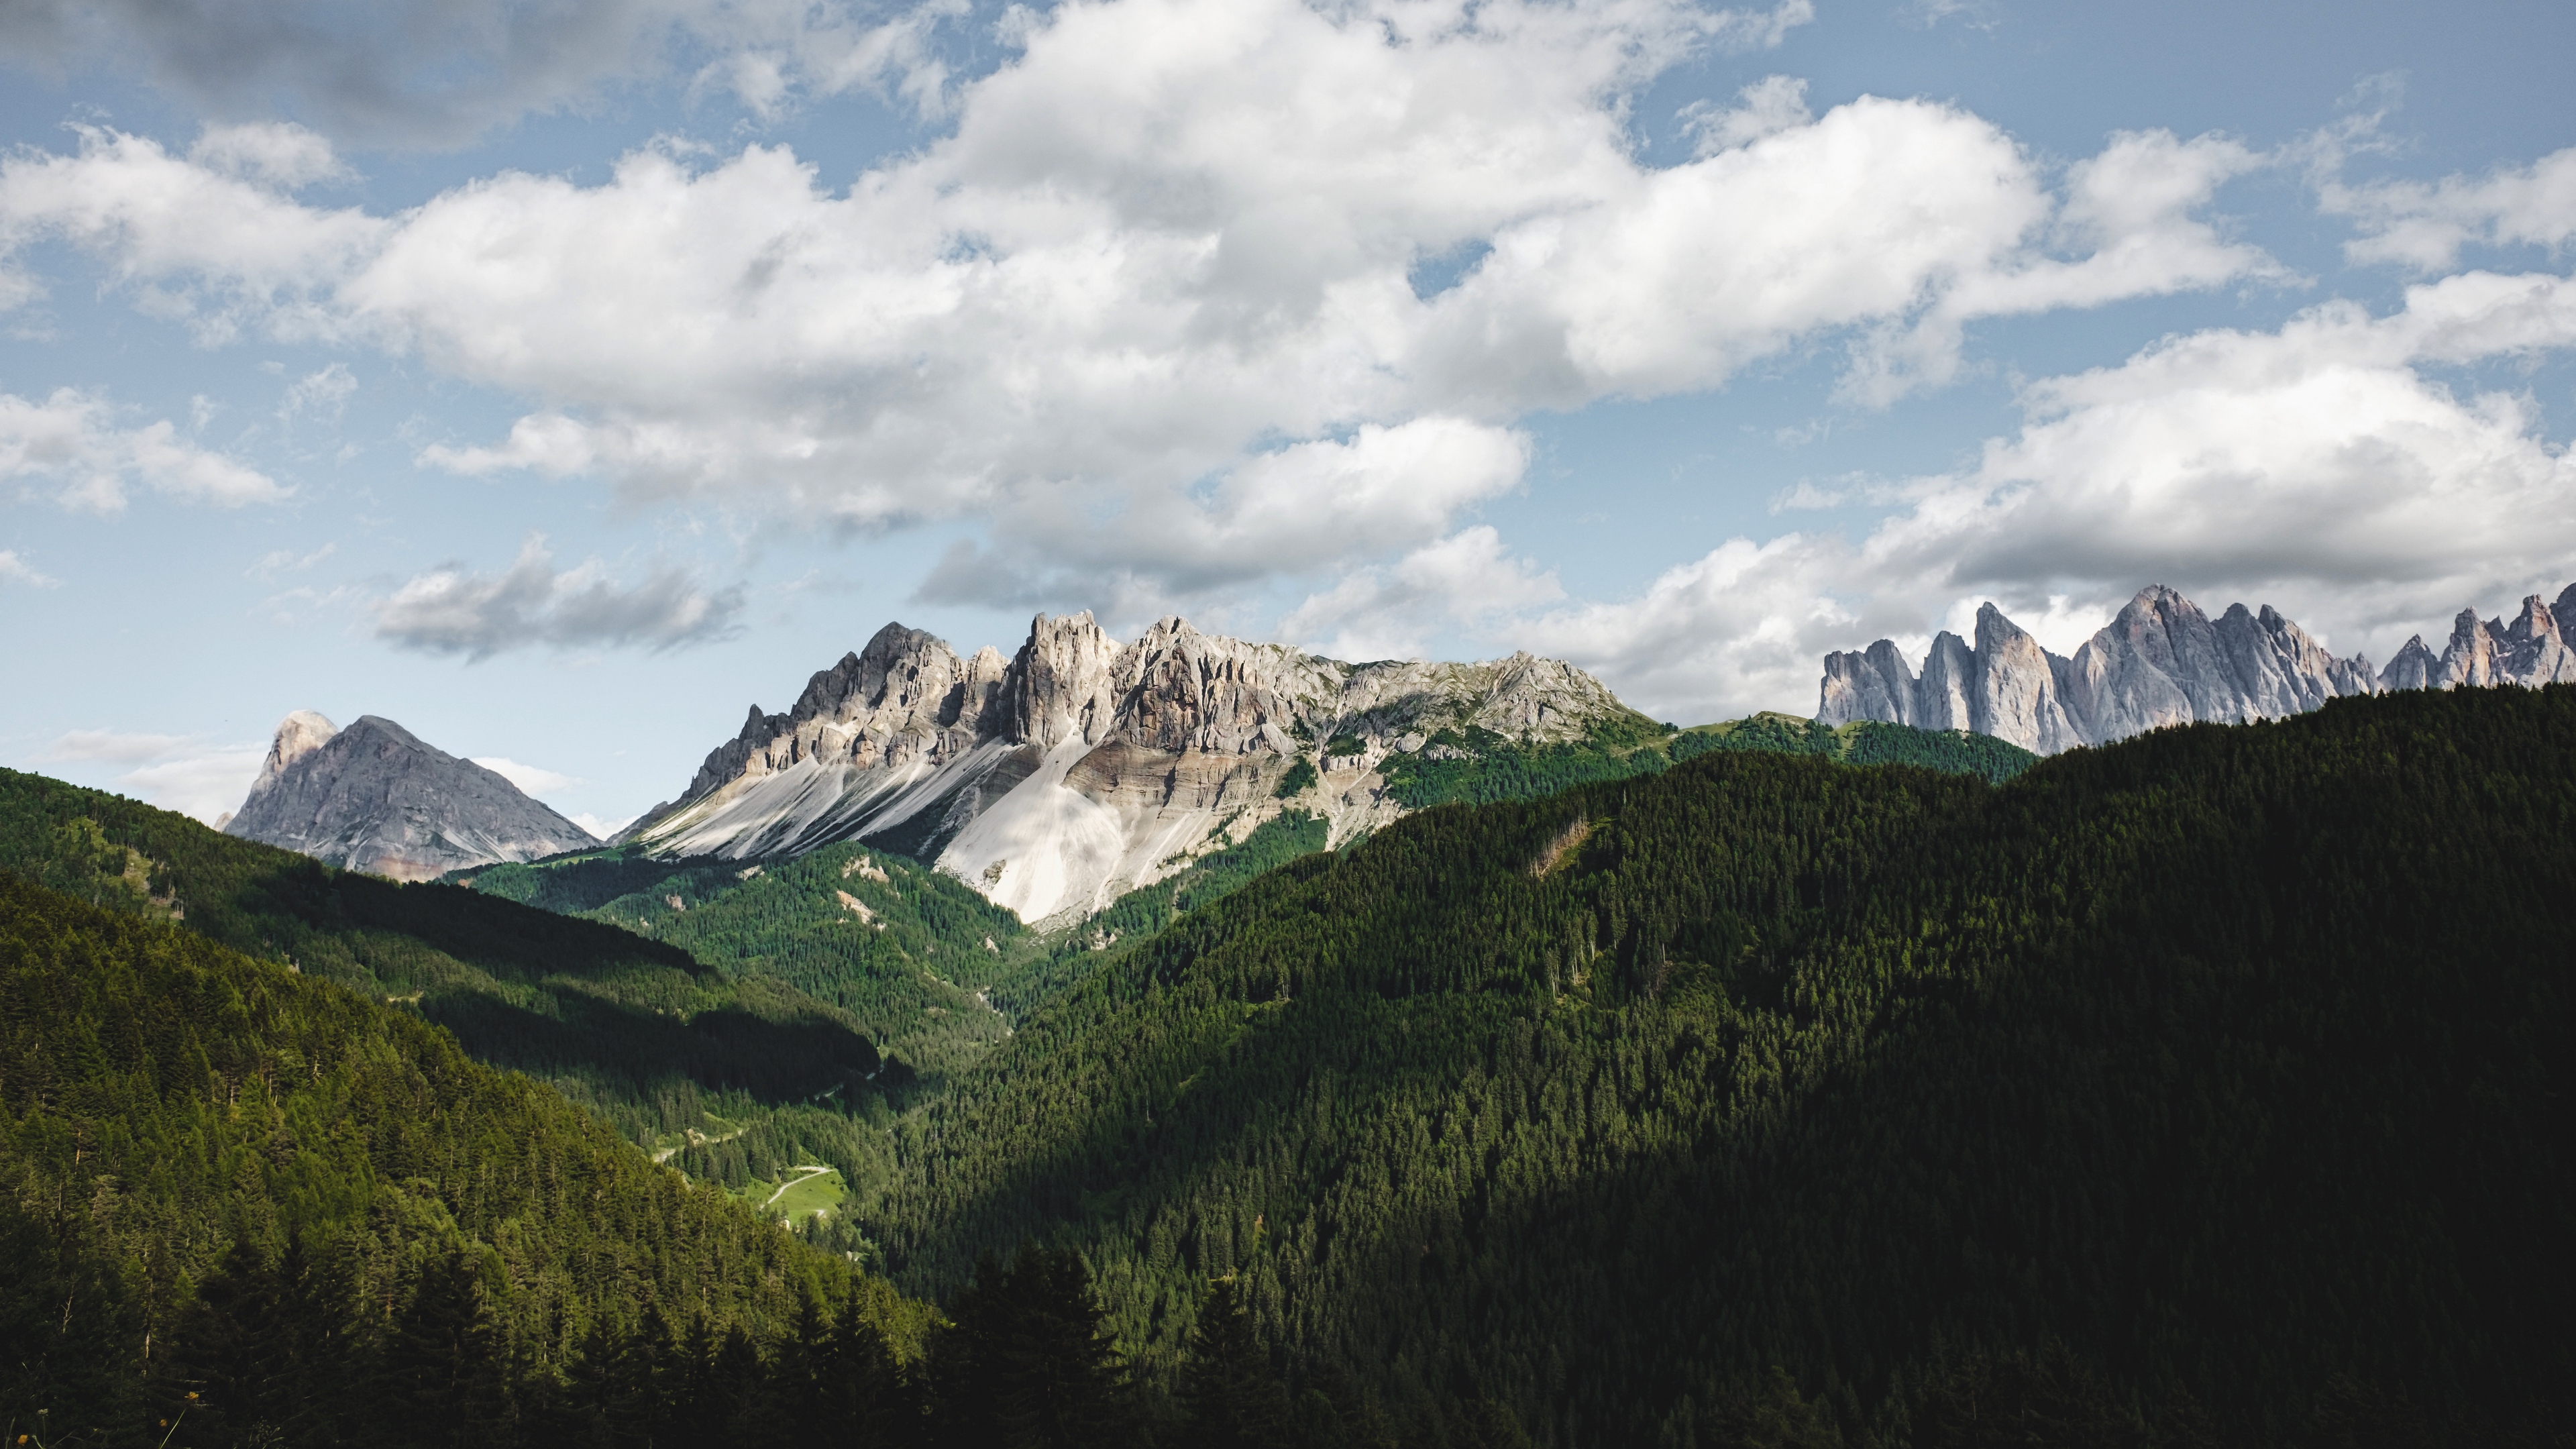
x=561, y=379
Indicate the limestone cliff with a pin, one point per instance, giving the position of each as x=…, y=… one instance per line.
x=2162, y=661
x=1085, y=767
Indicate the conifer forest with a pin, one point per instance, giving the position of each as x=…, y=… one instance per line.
x=1760, y=1085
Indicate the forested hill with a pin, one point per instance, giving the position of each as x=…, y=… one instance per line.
x=258, y=1205
x=2211, y=1082
x=1478, y=767
x=639, y=1030
x=899, y=946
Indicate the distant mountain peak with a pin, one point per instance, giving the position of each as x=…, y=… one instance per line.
x=375, y=797
x=1082, y=766
x=2162, y=661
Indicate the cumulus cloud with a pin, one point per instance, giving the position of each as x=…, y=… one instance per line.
x=213, y=238
x=1152, y=299
x=2423, y=224
x=71, y=443
x=1466, y=580
x=1765, y=108
x=15, y=570
x=532, y=780
x=452, y=611
x=185, y=773
x=601, y=827
x=2324, y=467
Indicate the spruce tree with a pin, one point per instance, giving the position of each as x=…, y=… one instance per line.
x=1230, y=1396
x=1027, y=1362
x=441, y=1379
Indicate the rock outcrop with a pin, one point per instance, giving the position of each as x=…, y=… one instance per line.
x=1085, y=767
x=2162, y=661
x=373, y=797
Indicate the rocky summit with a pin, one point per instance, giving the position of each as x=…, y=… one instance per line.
x=2162, y=661
x=374, y=797
x=1084, y=767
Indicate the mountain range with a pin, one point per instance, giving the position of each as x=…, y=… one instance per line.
x=2161, y=661
x=2199, y=1089
x=375, y=797
x=1165, y=749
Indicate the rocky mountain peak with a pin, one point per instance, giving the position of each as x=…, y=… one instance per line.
x=2162, y=661
x=1083, y=765
x=375, y=797
x=1062, y=684
x=299, y=734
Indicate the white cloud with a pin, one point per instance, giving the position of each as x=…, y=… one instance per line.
x=15, y=570
x=2423, y=225
x=1155, y=290
x=214, y=241
x=2317, y=468
x=1467, y=579
x=278, y=155
x=71, y=441
x=601, y=827
x=1765, y=108
x=115, y=747
x=324, y=391
x=451, y=611
x=531, y=779
x=287, y=560
x=175, y=772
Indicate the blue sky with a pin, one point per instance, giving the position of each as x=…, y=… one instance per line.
x=560, y=380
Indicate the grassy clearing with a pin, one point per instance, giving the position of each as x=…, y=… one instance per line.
x=796, y=1194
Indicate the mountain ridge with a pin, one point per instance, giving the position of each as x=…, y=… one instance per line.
x=2162, y=661
x=1084, y=767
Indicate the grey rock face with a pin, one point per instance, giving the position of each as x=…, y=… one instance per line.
x=1084, y=766
x=373, y=797
x=2162, y=661
x=2532, y=650
x=2415, y=667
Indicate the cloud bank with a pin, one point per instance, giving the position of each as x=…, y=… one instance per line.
x=185, y=773
x=1194, y=294
x=2324, y=467
x=1194, y=298
x=70, y=445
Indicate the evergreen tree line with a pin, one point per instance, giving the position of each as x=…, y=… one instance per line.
x=1469, y=765
x=638, y=1030
x=273, y=1351
x=2212, y=1078
x=184, y=1128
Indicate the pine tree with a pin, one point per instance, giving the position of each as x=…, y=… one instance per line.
x=865, y=1398
x=231, y=1369
x=1230, y=1396
x=1027, y=1363
x=440, y=1384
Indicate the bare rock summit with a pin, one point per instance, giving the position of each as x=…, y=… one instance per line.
x=1083, y=766
x=374, y=797
x=2162, y=661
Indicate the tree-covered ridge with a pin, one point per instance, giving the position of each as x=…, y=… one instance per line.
x=641, y=1031
x=1862, y=742
x=173, y=1113
x=1479, y=767
x=2222, y=1069
x=899, y=946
